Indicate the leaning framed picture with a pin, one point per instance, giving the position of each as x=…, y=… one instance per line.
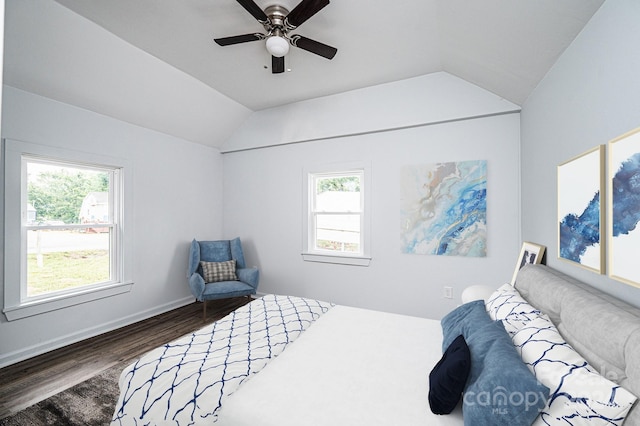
x=529, y=253
x=581, y=210
x=624, y=207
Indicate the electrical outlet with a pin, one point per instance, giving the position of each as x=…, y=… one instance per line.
x=447, y=292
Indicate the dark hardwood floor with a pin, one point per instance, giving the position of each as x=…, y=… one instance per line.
x=33, y=380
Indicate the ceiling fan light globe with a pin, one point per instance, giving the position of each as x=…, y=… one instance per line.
x=277, y=46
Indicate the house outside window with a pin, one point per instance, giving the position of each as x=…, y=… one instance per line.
x=64, y=239
x=70, y=242
x=336, y=215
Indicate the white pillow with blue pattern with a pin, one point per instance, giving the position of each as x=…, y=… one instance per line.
x=579, y=395
x=506, y=305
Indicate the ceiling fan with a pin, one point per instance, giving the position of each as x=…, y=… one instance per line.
x=278, y=22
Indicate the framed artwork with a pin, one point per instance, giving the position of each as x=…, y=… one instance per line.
x=529, y=253
x=624, y=207
x=444, y=209
x=580, y=215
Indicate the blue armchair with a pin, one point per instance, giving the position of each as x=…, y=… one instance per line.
x=246, y=283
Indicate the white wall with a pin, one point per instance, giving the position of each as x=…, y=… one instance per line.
x=90, y=67
x=589, y=97
x=177, y=196
x=430, y=98
x=264, y=205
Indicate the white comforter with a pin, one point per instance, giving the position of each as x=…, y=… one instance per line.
x=352, y=367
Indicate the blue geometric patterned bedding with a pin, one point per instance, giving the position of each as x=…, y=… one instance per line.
x=186, y=381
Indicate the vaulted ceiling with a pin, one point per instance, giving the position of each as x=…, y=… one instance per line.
x=503, y=46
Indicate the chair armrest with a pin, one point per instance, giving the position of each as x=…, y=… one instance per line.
x=250, y=276
x=196, y=282
x=194, y=257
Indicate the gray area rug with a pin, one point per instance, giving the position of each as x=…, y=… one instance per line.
x=90, y=403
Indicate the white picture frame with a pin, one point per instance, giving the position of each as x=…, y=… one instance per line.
x=529, y=253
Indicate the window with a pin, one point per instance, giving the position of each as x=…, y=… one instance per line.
x=336, y=224
x=65, y=213
x=69, y=227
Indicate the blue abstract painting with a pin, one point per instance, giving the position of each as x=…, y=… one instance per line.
x=624, y=187
x=578, y=233
x=579, y=209
x=626, y=197
x=444, y=209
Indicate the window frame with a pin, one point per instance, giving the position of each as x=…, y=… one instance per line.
x=17, y=304
x=309, y=251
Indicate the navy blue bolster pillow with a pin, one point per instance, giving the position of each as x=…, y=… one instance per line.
x=449, y=377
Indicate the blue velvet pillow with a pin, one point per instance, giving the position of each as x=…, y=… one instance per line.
x=465, y=319
x=449, y=376
x=501, y=390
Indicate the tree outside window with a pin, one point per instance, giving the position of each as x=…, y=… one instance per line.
x=69, y=224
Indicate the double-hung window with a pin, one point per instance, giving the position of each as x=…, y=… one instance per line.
x=64, y=229
x=337, y=217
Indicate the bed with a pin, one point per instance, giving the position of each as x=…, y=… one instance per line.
x=283, y=360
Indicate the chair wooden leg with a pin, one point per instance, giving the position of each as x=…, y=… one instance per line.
x=204, y=310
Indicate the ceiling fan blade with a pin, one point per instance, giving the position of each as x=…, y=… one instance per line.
x=226, y=41
x=303, y=11
x=254, y=10
x=314, y=46
x=277, y=65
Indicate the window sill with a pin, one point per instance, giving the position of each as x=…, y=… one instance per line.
x=38, y=307
x=335, y=259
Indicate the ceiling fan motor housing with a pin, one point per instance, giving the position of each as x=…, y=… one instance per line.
x=277, y=15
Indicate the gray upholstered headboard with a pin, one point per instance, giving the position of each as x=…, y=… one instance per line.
x=605, y=330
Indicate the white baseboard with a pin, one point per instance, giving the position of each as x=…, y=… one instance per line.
x=31, y=351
